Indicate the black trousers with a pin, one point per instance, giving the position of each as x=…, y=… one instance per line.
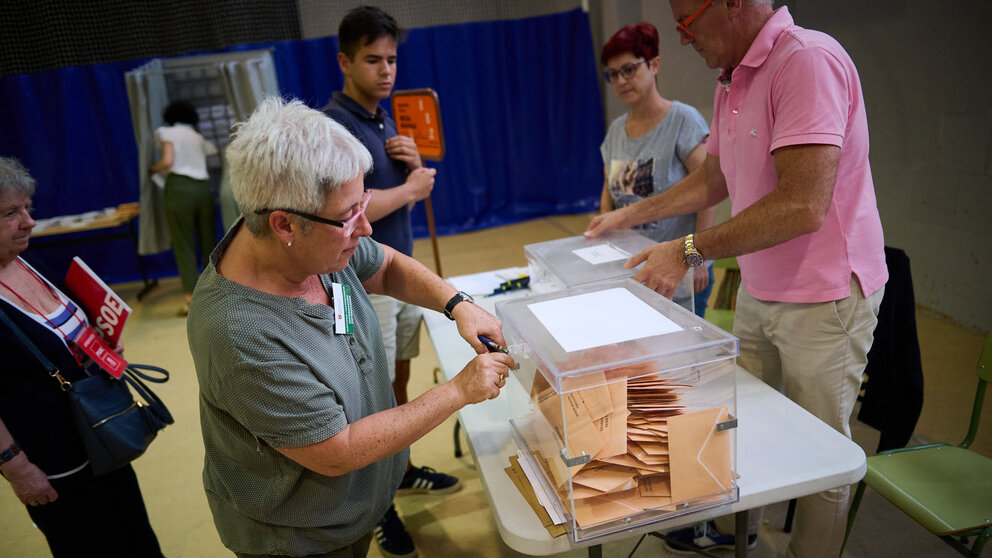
x=99, y=516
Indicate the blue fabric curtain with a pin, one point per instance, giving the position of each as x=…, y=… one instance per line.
x=520, y=108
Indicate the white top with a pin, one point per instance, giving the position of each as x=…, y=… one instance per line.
x=190, y=150
x=68, y=318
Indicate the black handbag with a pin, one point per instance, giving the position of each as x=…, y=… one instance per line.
x=114, y=427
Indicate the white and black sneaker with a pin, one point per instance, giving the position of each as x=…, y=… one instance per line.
x=392, y=538
x=425, y=480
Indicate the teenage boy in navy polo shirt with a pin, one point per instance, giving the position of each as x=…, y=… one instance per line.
x=367, y=39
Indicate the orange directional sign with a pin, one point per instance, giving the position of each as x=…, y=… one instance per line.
x=418, y=114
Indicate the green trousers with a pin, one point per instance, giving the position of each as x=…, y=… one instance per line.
x=191, y=215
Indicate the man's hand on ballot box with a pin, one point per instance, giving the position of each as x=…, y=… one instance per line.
x=665, y=264
x=610, y=221
x=664, y=267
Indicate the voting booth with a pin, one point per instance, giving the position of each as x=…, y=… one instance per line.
x=624, y=405
x=575, y=261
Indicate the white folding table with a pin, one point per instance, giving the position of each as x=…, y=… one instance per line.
x=783, y=452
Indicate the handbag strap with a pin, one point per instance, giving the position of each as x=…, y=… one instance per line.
x=133, y=377
x=45, y=363
x=140, y=369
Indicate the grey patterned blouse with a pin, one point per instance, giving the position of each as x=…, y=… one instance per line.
x=273, y=373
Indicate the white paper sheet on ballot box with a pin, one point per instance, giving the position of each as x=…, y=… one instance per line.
x=600, y=318
x=601, y=253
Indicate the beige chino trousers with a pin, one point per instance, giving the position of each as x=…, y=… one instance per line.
x=815, y=354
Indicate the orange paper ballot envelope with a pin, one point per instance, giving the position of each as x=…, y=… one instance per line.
x=699, y=453
x=417, y=113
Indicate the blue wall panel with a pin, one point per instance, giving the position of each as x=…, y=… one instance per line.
x=520, y=108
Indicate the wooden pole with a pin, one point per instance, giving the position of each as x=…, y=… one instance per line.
x=430, y=227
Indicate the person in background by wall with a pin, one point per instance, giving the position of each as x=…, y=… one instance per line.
x=368, y=38
x=789, y=146
x=189, y=199
x=654, y=145
x=41, y=453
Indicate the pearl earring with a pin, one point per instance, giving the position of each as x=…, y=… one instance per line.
x=288, y=244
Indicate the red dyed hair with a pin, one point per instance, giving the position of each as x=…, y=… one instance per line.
x=640, y=40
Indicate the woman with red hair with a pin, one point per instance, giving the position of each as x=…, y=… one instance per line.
x=654, y=145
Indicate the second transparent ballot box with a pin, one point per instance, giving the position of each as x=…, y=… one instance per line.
x=624, y=405
x=576, y=261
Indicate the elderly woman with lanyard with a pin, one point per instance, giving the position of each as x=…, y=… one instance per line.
x=41, y=454
x=305, y=446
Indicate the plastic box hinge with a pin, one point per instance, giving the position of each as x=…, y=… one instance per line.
x=574, y=461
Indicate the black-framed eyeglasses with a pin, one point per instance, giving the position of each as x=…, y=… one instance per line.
x=348, y=225
x=626, y=71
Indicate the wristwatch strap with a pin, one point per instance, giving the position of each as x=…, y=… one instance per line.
x=450, y=306
x=10, y=453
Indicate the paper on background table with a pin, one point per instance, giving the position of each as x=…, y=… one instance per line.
x=601, y=253
x=479, y=284
x=600, y=318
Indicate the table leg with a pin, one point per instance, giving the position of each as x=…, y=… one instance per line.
x=141, y=263
x=789, y=516
x=458, y=439
x=740, y=534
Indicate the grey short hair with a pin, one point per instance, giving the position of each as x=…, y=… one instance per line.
x=15, y=178
x=290, y=156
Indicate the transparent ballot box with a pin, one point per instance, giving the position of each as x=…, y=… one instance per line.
x=624, y=405
x=574, y=261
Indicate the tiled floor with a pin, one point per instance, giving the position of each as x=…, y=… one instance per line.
x=460, y=524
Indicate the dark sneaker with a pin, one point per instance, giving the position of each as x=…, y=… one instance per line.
x=392, y=538
x=425, y=480
x=702, y=536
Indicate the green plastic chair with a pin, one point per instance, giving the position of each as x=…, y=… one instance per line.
x=947, y=489
x=722, y=313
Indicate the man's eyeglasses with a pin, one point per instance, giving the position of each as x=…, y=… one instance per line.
x=683, y=26
x=348, y=225
x=626, y=71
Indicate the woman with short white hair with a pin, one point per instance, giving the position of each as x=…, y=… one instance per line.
x=305, y=447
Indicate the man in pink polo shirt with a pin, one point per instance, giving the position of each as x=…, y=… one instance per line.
x=789, y=146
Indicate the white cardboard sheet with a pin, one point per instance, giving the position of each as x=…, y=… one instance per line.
x=601, y=253
x=600, y=318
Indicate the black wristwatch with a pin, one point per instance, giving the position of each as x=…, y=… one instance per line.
x=454, y=302
x=10, y=453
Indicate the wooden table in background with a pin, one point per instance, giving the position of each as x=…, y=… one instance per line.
x=124, y=214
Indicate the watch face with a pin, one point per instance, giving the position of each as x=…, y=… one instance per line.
x=693, y=259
